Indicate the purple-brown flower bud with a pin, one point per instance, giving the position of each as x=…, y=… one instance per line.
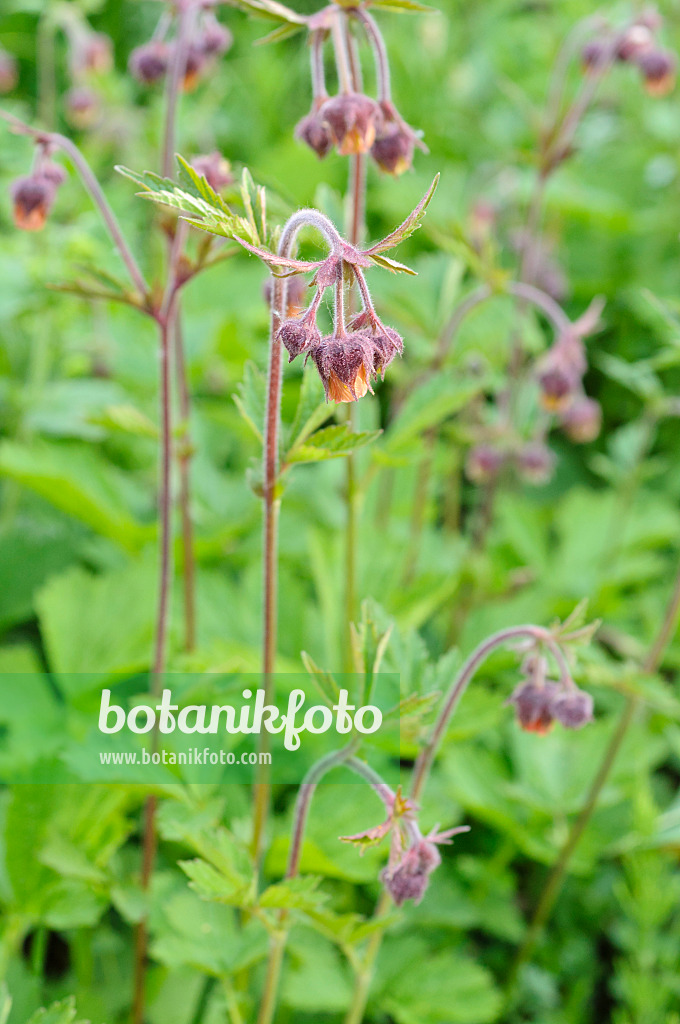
x=149, y=63
x=298, y=335
x=215, y=168
x=483, y=464
x=410, y=877
x=82, y=107
x=97, y=53
x=634, y=41
x=573, y=708
x=658, y=69
x=345, y=365
x=582, y=420
x=533, y=703
x=215, y=38
x=385, y=342
x=535, y=463
x=9, y=72
x=314, y=131
x=353, y=120
x=194, y=66
x=32, y=199
x=594, y=55
x=560, y=372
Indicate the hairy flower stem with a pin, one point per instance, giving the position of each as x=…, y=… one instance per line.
x=553, y=884
x=461, y=682
x=306, y=792
x=270, y=482
x=54, y=140
x=356, y=217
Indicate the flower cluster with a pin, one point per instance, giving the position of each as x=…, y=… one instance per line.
x=560, y=377
x=354, y=353
x=413, y=856
x=540, y=701
x=638, y=45
x=33, y=195
x=351, y=121
x=209, y=40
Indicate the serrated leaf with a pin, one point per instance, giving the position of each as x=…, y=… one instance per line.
x=299, y=893
x=310, y=412
x=393, y=265
x=404, y=5
x=211, y=884
x=270, y=9
x=331, y=443
x=62, y=1012
x=408, y=226
x=324, y=681
x=279, y=34
x=429, y=404
x=251, y=398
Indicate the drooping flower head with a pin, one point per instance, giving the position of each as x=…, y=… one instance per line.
x=356, y=352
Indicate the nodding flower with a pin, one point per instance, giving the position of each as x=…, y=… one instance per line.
x=395, y=141
x=82, y=107
x=34, y=195
x=659, y=68
x=582, y=420
x=314, y=131
x=352, y=120
x=148, y=63
x=358, y=351
x=539, y=701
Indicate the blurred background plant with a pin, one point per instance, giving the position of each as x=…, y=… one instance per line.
x=445, y=560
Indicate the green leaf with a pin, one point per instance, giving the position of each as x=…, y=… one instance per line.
x=310, y=412
x=408, y=226
x=270, y=9
x=252, y=398
x=325, y=682
x=299, y=893
x=279, y=34
x=76, y=481
x=63, y=1012
x=393, y=265
x=430, y=404
x=404, y=5
x=211, y=884
x=331, y=443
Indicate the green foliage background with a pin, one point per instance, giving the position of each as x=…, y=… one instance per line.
x=78, y=408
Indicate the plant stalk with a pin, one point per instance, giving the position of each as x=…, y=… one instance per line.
x=553, y=883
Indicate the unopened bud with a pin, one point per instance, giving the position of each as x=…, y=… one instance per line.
x=533, y=703
x=353, y=120
x=582, y=420
x=82, y=107
x=32, y=199
x=535, y=463
x=483, y=464
x=594, y=55
x=298, y=336
x=314, y=131
x=393, y=149
x=149, y=63
x=215, y=38
x=658, y=69
x=97, y=53
x=409, y=879
x=573, y=708
x=635, y=41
